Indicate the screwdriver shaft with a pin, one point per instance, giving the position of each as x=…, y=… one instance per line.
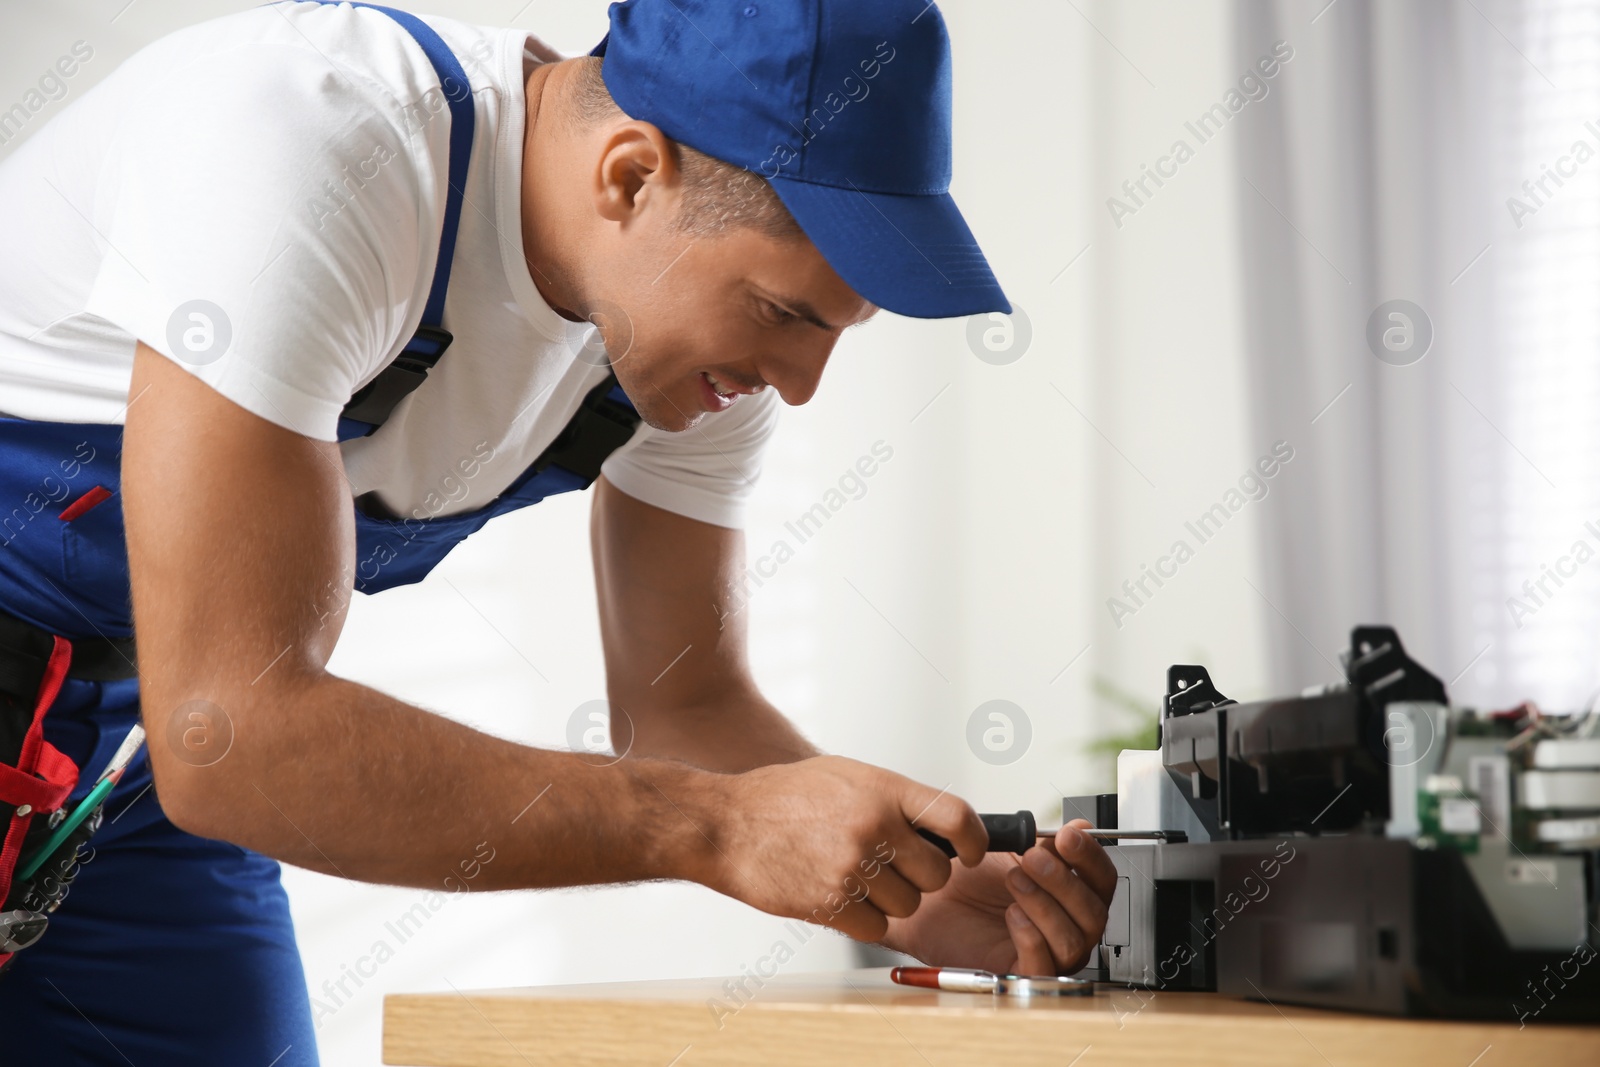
x=1172, y=837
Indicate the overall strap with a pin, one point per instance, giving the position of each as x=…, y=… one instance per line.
x=374, y=402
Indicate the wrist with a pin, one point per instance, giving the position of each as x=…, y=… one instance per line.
x=901, y=936
x=681, y=819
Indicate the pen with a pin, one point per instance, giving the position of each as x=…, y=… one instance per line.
x=956, y=980
x=949, y=979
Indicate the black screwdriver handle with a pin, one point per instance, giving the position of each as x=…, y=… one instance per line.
x=1007, y=833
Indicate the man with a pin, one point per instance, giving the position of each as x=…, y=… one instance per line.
x=217, y=251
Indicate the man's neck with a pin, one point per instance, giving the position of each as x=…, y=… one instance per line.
x=541, y=130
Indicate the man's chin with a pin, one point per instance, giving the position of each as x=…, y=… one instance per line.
x=667, y=418
x=658, y=409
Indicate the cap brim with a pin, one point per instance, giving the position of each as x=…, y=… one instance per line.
x=912, y=255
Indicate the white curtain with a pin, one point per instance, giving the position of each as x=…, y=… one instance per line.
x=1432, y=489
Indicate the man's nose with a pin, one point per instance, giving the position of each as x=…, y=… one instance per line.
x=796, y=377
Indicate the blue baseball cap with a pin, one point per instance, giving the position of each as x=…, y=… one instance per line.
x=842, y=105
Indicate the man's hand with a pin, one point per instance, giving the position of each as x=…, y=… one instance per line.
x=832, y=841
x=1039, y=916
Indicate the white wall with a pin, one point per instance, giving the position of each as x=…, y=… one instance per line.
x=977, y=564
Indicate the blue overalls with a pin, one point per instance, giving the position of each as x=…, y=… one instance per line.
x=170, y=949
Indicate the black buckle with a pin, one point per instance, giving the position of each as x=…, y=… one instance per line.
x=374, y=402
x=600, y=427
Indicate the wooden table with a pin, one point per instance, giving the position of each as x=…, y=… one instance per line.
x=861, y=1019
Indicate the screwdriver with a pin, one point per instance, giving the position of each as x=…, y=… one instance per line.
x=1019, y=832
x=1171, y=837
x=1007, y=833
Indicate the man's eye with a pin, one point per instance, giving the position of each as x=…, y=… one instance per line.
x=777, y=314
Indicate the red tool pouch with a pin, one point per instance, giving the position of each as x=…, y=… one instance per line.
x=35, y=781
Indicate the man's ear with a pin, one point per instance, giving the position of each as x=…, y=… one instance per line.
x=638, y=172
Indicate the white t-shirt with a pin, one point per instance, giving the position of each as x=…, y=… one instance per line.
x=287, y=166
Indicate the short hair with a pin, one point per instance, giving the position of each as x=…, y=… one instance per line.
x=717, y=196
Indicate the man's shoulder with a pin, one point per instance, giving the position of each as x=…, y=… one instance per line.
x=295, y=53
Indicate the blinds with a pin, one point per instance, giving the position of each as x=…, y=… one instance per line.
x=1534, y=526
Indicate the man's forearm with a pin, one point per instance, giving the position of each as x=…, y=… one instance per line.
x=736, y=731
x=340, y=778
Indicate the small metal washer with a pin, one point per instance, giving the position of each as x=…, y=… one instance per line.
x=1019, y=985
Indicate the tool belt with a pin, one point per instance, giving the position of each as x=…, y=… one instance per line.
x=35, y=777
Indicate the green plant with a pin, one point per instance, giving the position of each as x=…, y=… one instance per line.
x=1141, y=731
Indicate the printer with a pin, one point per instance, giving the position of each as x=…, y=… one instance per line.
x=1364, y=846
